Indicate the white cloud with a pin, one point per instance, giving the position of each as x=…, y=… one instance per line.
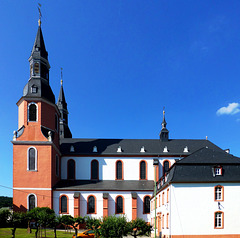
x=231, y=109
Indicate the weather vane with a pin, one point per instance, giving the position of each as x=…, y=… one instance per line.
x=61, y=76
x=40, y=14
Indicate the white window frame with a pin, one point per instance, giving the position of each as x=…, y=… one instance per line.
x=218, y=193
x=29, y=158
x=28, y=200
x=219, y=217
x=218, y=171
x=36, y=111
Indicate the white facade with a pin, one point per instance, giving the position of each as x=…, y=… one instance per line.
x=191, y=210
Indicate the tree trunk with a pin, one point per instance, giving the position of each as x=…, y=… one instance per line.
x=13, y=232
x=76, y=232
x=55, y=232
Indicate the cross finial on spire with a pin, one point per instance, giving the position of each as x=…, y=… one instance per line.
x=61, y=76
x=40, y=14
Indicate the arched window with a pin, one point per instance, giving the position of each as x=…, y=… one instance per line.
x=32, y=112
x=31, y=202
x=94, y=170
x=63, y=204
x=165, y=166
x=119, y=170
x=91, y=204
x=146, y=204
x=71, y=169
x=119, y=205
x=32, y=159
x=57, y=165
x=143, y=168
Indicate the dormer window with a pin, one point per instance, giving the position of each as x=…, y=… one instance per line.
x=119, y=150
x=95, y=149
x=34, y=89
x=165, y=150
x=142, y=149
x=217, y=171
x=72, y=148
x=185, y=150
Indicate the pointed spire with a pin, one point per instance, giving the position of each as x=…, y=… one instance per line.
x=61, y=103
x=62, y=106
x=164, y=133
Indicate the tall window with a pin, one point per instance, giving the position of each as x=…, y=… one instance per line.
x=63, y=204
x=71, y=169
x=119, y=205
x=32, y=159
x=167, y=195
x=146, y=204
x=31, y=202
x=167, y=220
x=119, y=170
x=94, y=170
x=218, y=193
x=143, y=170
x=57, y=165
x=165, y=166
x=218, y=220
x=163, y=221
x=32, y=112
x=91, y=204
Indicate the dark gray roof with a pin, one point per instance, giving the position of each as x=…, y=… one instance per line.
x=105, y=185
x=133, y=146
x=61, y=103
x=199, y=168
x=39, y=46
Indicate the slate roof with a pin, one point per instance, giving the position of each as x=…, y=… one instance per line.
x=199, y=168
x=105, y=185
x=154, y=147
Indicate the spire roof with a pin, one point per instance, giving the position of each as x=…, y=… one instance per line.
x=39, y=46
x=61, y=103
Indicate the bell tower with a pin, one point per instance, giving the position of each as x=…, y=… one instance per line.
x=36, y=155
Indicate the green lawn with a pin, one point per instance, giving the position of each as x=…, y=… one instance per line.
x=22, y=233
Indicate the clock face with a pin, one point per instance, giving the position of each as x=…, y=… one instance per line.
x=36, y=68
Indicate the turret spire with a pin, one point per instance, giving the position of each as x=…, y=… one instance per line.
x=164, y=133
x=62, y=106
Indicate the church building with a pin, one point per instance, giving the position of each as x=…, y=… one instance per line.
x=103, y=177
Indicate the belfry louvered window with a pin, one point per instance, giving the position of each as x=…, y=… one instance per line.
x=165, y=166
x=142, y=170
x=91, y=204
x=119, y=170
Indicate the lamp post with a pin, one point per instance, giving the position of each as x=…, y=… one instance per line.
x=155, y=164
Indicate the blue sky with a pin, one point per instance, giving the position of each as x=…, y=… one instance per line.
x=123, y=61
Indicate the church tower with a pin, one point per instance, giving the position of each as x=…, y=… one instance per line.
x=36, y=155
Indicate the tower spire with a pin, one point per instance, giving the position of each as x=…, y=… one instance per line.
x=40, y=14
x=164, y=133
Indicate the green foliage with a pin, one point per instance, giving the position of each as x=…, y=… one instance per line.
x=139, y=227
x=15, y=220
x=93, y=224
x=114, y=227
x=4, y=214
x=6, y=201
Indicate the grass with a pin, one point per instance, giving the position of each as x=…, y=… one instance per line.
x=22, y=233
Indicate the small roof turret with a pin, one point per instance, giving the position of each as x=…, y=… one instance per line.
x=164, y=133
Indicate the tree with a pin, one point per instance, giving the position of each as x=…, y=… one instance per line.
x=54, y=222
x=139, y=227
x=4, y=214
x=93, y=224
x=74, y=222
x=114, y=227
x=15, y=220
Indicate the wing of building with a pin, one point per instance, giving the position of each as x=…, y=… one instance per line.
x=103, y=177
